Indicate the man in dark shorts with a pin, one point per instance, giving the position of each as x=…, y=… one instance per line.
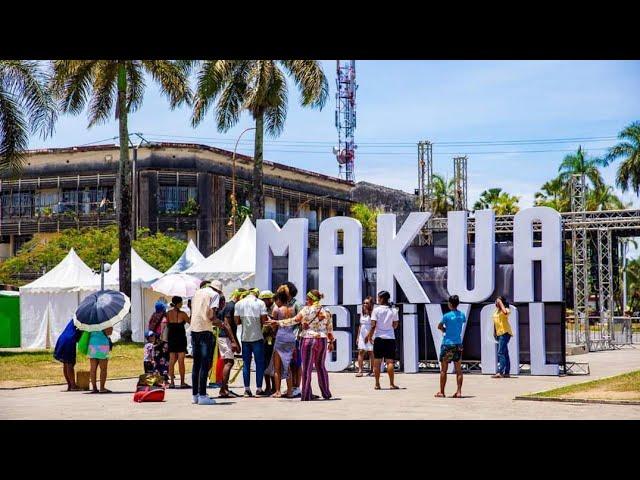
x=451, y=349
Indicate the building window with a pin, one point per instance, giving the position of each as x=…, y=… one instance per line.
x=18, y=204
x=174, y=200
x=86, y=201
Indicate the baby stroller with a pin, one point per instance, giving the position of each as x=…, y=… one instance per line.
x=150, y=388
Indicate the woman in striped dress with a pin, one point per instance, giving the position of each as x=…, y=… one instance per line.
x=317, y=339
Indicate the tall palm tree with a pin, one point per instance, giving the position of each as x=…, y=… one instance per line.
x=579, y=163
x=100, y=84
x=603, y=198
x=487, y=199
x=259, y=87
x=554, y=194
x=25, y=107
x=628, y=175
x=443, y=195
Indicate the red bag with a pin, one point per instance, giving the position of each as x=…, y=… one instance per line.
x=148, y=394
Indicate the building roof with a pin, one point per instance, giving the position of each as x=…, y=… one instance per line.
x=196, y=146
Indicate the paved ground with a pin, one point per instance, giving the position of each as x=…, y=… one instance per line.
x=485, y=398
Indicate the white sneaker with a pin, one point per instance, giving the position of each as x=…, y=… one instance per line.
x=296, y=391
x=195, y=399
x=204, y=400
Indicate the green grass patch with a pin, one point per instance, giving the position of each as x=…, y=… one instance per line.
x=25, y=369
x=620, y=387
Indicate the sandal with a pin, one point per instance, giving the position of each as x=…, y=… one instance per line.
x=394, y=387
x=224, y=395
x=377, y=387
x=105, y=390
x=439, y=395
x=359, y=375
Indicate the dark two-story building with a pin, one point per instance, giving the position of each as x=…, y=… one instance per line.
x=179, y=189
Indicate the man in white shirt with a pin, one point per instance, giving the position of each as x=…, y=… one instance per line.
x=251, y=313
x=204, y=307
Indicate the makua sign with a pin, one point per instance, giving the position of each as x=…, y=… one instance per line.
x=527, y=270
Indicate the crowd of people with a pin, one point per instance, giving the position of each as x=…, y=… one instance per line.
x=284, y=338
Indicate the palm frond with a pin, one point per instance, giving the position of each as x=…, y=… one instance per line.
x=276, y=113
x=211, y=79
x=29, y=82
x=173, y=80
x=103, y=92
x=71, y=83
x=13, y=134
x=310, y=80
x=135, y=85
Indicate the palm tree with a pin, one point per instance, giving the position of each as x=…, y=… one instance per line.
x=576, y=163
x=603, y=198
x=506, y=204
x=25, y=107
x=259, y=87
x=628, y=175
x=443, y=195
x=100, y=84
x=487, y=199
x=554, y=194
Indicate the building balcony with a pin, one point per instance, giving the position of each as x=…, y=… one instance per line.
x=54, y=223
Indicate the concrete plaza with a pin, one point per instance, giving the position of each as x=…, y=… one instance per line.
x=354, y=398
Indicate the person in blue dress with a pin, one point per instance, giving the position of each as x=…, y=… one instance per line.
x=451, y=348
x=65, y=352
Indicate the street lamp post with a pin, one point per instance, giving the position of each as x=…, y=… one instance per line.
x=234, y=202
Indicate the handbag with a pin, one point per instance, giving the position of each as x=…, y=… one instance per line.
x=83, y=343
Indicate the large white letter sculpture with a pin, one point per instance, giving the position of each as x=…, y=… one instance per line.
x=488, y=354
x=410, y=338
x=343, y=340
x=549, y=254
x=485, y=254
x=350, y=260
x=391, y=263
x=538, y=348
x=291, y=240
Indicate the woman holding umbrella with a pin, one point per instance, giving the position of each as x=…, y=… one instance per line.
x=97, y=314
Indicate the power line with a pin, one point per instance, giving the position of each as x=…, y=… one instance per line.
x=402, y=144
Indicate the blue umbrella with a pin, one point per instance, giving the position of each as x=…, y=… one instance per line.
x=101, y=310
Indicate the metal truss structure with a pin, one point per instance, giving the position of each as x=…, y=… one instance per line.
x=425, y=176
x=460, y=183
x=346, y=117
x=580, y=262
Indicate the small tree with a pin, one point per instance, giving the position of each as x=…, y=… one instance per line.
x=368, y=217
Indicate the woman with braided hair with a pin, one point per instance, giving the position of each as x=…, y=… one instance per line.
x=317, y=339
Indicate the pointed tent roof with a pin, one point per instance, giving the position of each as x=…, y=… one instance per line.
x=141, y=271
x=238, y=255
x=190, y=257
x=70, y=273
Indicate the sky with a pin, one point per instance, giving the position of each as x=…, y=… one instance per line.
x=402, y=102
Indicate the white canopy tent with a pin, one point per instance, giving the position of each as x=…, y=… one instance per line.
x=48, y=303
x=234, y=264
x=190, y=257
x=142, y=297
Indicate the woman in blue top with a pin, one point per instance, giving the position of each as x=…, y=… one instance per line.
x=451, y=348
x=65, y=352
